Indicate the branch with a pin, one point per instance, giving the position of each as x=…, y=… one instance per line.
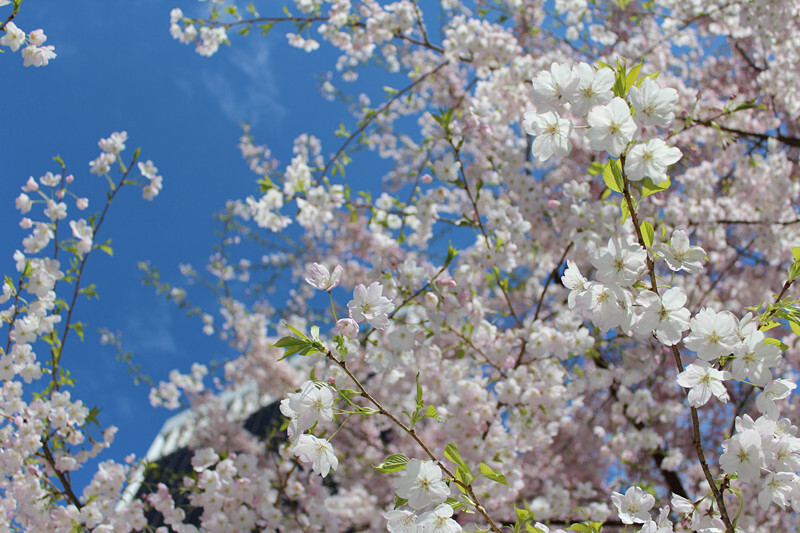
x=788, y=141
x=371, y=118
x=696, y=436
x=411, y=432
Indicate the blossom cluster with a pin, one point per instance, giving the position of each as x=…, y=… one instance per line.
x=35, y=52
x=51, y=434
x=573, y=305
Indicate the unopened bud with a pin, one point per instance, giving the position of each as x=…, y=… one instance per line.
x=347, y=327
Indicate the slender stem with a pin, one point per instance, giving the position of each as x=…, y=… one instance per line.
x=10, y=17
x=367, y=121
x=696, y=435
x=550, y=278
x=788, y=141
x=411, y=432
x=66, y=485
x=485, y=234
x=57, y=351
x=333, y=307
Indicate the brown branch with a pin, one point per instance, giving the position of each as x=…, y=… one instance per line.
x=413, y=434
x=367, y=121
x=10, y=17
x=550, y=278
x=696, y=435
x=474, y=203
x=788, y=141
x=746, y=222
x=67, y=486
x=56, y=352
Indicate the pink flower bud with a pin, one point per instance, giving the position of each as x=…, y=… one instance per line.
x=552, y=202
x=427, y=178
x=331, y=381
x=82, y=203
x=347, y=327
x=31, y=185
x=25, y=223
x=69, y=179
x=60, y=193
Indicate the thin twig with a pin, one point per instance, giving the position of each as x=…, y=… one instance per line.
x=413, y=434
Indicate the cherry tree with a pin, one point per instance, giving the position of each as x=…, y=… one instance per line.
x=571, y=307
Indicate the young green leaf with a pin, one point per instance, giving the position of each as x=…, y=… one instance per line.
x=612, y=176
x=451, y=452
x=648, y=233
x=488, y=473
x=394, y=463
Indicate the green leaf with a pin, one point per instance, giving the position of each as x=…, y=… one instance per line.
x=630, y=79
x=266, y=27
x=465, y=477
x=431, y=412
x=347, y=394
x=648, y=187
x=90, y=291
x=587, y=527
x=451, y=254
x=795, y=327
x=776, y=342
x=523, y=515
x=286, y=342
x=647, y=233
x=488, y=473
x=451, y=452
x=78, y=328
x=794, y=271
x=612, y=175
x=394, y=463
x=444, y=118
x=296, y=331
x=106, y=248
x=419, y=394
x=595, y=168
x=623, y=207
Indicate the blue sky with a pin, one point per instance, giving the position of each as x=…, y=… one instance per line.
x=119, y=69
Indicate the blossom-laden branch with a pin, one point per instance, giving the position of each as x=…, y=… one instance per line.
x=375, y=114
x=696, y=431
x=410, y=431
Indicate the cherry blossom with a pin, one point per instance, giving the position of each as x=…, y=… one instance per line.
x=633, y=506
x=551, y=134
x=703, y=381
x=611, y=127
x=650, y=160
x=665, y=315
x=653, y=104
x=537, y=310
x=421, y=484
x=318, y=452
x=369, y=304
x=321, y=278
x=681, y=255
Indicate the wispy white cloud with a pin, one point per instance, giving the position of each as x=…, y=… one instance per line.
x=246, y=88
x=150, y=333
